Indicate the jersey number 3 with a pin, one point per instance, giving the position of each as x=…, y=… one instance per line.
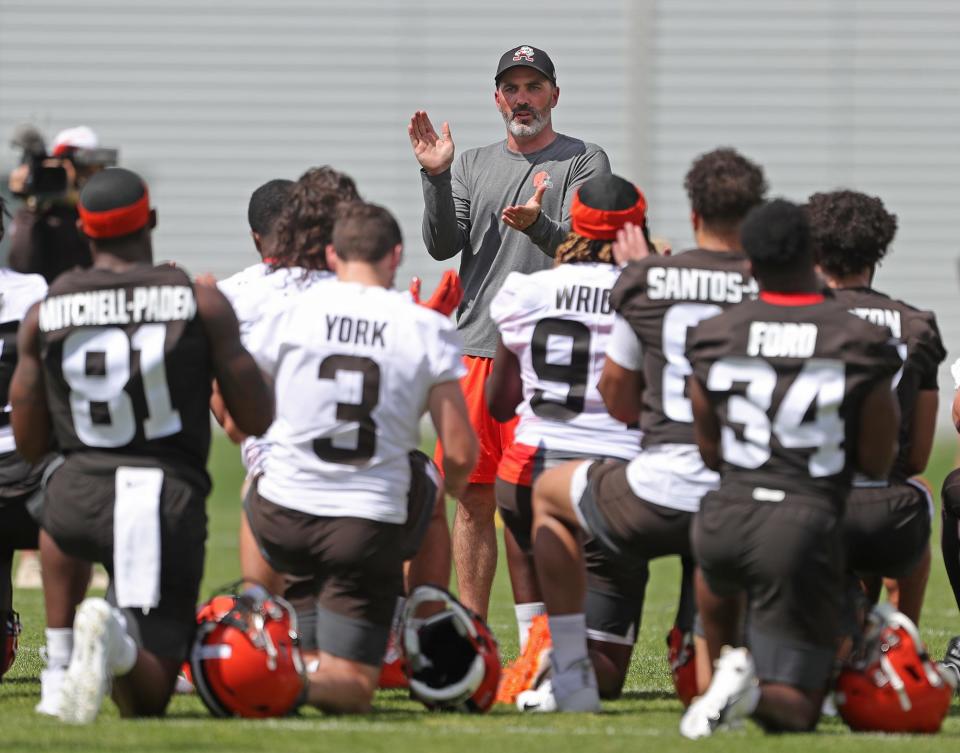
x=357, y=412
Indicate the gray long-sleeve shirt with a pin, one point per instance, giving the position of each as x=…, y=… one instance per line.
x=462, y=208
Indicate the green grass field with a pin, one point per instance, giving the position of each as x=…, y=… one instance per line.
x=646, y=718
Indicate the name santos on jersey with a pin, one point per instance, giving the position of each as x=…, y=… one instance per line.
x=692, y=284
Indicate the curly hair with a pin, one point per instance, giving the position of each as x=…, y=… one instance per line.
x=850, y=231
x=723, y=186
x=305, y=227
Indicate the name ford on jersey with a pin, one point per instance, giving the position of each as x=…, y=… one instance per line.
x=889, y=318
x=690, y=284
x=95, y=308
x=782, y=339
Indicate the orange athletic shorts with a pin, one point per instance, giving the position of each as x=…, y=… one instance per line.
x=493, y=437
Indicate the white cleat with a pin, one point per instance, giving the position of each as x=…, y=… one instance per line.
x=574, y=689
x=183, y=686
x=51, y=682
x=731, y=697
x=95, y=634
x=540, y=699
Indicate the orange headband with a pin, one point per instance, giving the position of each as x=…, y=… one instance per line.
x=112, y=223
x=601, y=224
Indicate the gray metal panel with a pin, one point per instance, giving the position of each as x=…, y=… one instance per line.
x=208, y=100
x=824, y=94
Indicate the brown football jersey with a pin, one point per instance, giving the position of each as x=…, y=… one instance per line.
x=127, y=364
x=920, y=347
x=662, y=298
x=787, y=382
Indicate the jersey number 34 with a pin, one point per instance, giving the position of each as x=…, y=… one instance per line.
x=808, y=415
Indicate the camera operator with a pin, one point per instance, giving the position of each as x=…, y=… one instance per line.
x=44, y=238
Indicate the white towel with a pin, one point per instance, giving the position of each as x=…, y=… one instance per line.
x=136, y=537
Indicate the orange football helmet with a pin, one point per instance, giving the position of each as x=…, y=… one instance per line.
x=895, y=687
x=246, y=656
x=452, y=659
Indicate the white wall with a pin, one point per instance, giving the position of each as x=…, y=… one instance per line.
x=209, y=99
x=825, y=94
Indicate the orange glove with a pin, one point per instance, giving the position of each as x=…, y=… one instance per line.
x=445, y=298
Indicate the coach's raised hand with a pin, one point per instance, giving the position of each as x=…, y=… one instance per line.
x=434, y=152
x=522, y=216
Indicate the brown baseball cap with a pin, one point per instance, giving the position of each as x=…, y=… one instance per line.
x=528, y=56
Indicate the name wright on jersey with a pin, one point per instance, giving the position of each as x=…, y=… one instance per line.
x=584, y=298
x=92, y=308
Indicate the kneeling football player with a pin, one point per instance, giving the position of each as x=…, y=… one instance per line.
x=115, y=364
x=19, y=480
x=791, y=394
x=555, y=331
x=887, y=520
x=345, y=497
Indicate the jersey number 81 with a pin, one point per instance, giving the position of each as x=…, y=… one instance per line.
x=97, y=368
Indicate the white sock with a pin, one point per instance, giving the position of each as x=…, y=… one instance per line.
x=525, y=614
x=59, y=647
x=569, y=635
x=126, y=650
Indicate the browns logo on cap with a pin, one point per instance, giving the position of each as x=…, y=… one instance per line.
x=527, y=56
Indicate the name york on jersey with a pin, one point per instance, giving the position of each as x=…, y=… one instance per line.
x=689, y=284
x=358, y=331
x=93, y=308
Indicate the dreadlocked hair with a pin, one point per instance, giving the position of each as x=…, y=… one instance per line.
x=578, y=248
x=305, y=227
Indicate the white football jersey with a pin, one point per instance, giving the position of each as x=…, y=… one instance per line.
x=353, y=366
x=255, y=288
x=252, y=291
x=18, y=292
x=558, y=323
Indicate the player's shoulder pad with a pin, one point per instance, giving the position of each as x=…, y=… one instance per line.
x=18, y=293
x=632, y=280
x=520, y=293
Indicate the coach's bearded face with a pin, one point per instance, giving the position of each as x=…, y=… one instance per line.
x=525, y=120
